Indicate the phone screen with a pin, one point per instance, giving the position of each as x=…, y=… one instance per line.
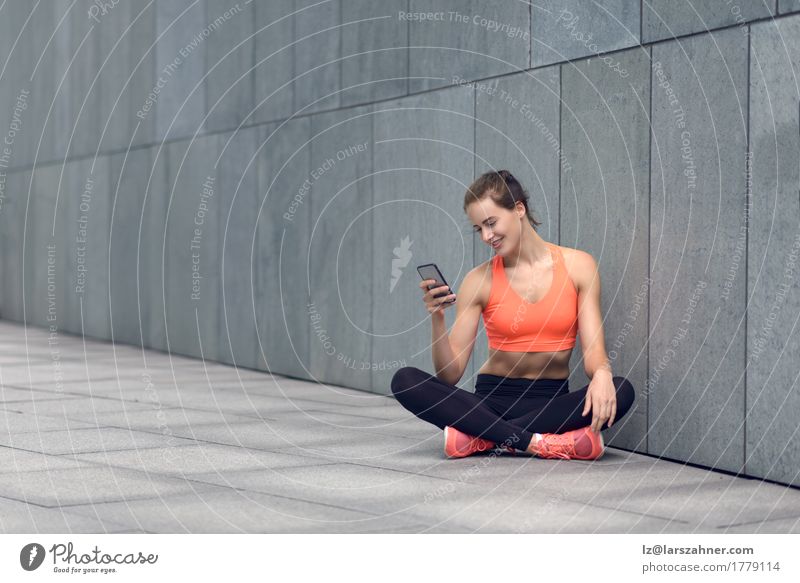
x=431, y=271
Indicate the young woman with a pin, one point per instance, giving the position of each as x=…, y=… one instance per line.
x=534, y=297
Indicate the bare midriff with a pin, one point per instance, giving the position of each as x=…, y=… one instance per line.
x=529, y=365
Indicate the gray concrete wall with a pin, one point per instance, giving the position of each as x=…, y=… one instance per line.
x=255, y=182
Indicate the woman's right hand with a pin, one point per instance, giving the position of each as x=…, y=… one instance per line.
x=432, y=303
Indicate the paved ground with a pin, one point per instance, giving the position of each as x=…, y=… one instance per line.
x=113, y=439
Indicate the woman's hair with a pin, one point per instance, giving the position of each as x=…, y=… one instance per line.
x=504, y=190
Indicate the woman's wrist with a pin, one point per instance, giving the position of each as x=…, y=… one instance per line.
x=602, y=371
x=437, y=316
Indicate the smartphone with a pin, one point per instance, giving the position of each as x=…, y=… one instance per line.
x=431, y=271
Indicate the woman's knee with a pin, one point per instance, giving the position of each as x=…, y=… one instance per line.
x=626, y=394
x=407, y=378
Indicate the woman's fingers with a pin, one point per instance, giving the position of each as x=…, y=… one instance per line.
x=433, y=303
x=601, y=416
x=439, y=304
x=444, y=301
x=608, y=412
x=437, y=290
x=603, y=411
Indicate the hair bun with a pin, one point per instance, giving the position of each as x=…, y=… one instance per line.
x=507, y=176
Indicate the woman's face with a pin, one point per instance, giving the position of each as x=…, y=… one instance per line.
x=499, y=228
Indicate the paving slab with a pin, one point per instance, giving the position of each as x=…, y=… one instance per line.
x=13, y=395
x=103, y=439
x=81, y=409
x=271, y=435
x=201, y=459
x=13, y=461
x=780, y=526
x=22, y=518
x=165, y=420
x=12, y=423
x=91, y=485
x=375, y=490
x=238, y=512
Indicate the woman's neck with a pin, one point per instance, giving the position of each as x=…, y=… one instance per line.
x=531, y=251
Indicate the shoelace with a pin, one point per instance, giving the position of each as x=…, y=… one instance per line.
x=556, y=445
x=484, y=444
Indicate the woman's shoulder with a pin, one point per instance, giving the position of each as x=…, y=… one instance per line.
x=579, y=264
x=478, y=282
x=573, y=255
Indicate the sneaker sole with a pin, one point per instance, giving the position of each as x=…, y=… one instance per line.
x=447, y=435
x=602, y=448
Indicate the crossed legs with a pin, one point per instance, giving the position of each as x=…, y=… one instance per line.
x=443, y=404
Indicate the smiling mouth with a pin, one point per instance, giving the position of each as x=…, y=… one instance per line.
x=496, y=243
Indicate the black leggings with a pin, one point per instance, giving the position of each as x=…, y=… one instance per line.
x=502, y=409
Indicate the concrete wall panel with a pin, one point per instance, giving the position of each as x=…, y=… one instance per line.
x=786, y=6
x=605, y=211
x=229, y=62
x=76, y=52
x=193, y=242
x=44, y=258
x=452, y=40
x=662, y=19
x=773, y=334
x=177, y=99
x=273, y=69
x=15, y=88
x=42, y=138
x=339, y=274
x=152, y=250
x=317, y=71
x=283, y=234
x=12, y=226
x=128, y=175
x=84, y=209
x=696, y=378
x=239, y=202
x=564, y=30
x=127, y=37
x=423, y=164
x=381, y=71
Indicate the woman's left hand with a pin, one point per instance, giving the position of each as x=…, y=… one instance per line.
x=601, y=399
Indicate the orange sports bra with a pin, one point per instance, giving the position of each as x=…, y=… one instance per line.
x=516, y=325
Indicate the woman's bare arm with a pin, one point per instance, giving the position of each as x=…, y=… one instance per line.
x=451, y=352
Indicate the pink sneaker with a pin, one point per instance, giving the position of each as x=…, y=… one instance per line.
x=578, y=444
x=459, y=444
